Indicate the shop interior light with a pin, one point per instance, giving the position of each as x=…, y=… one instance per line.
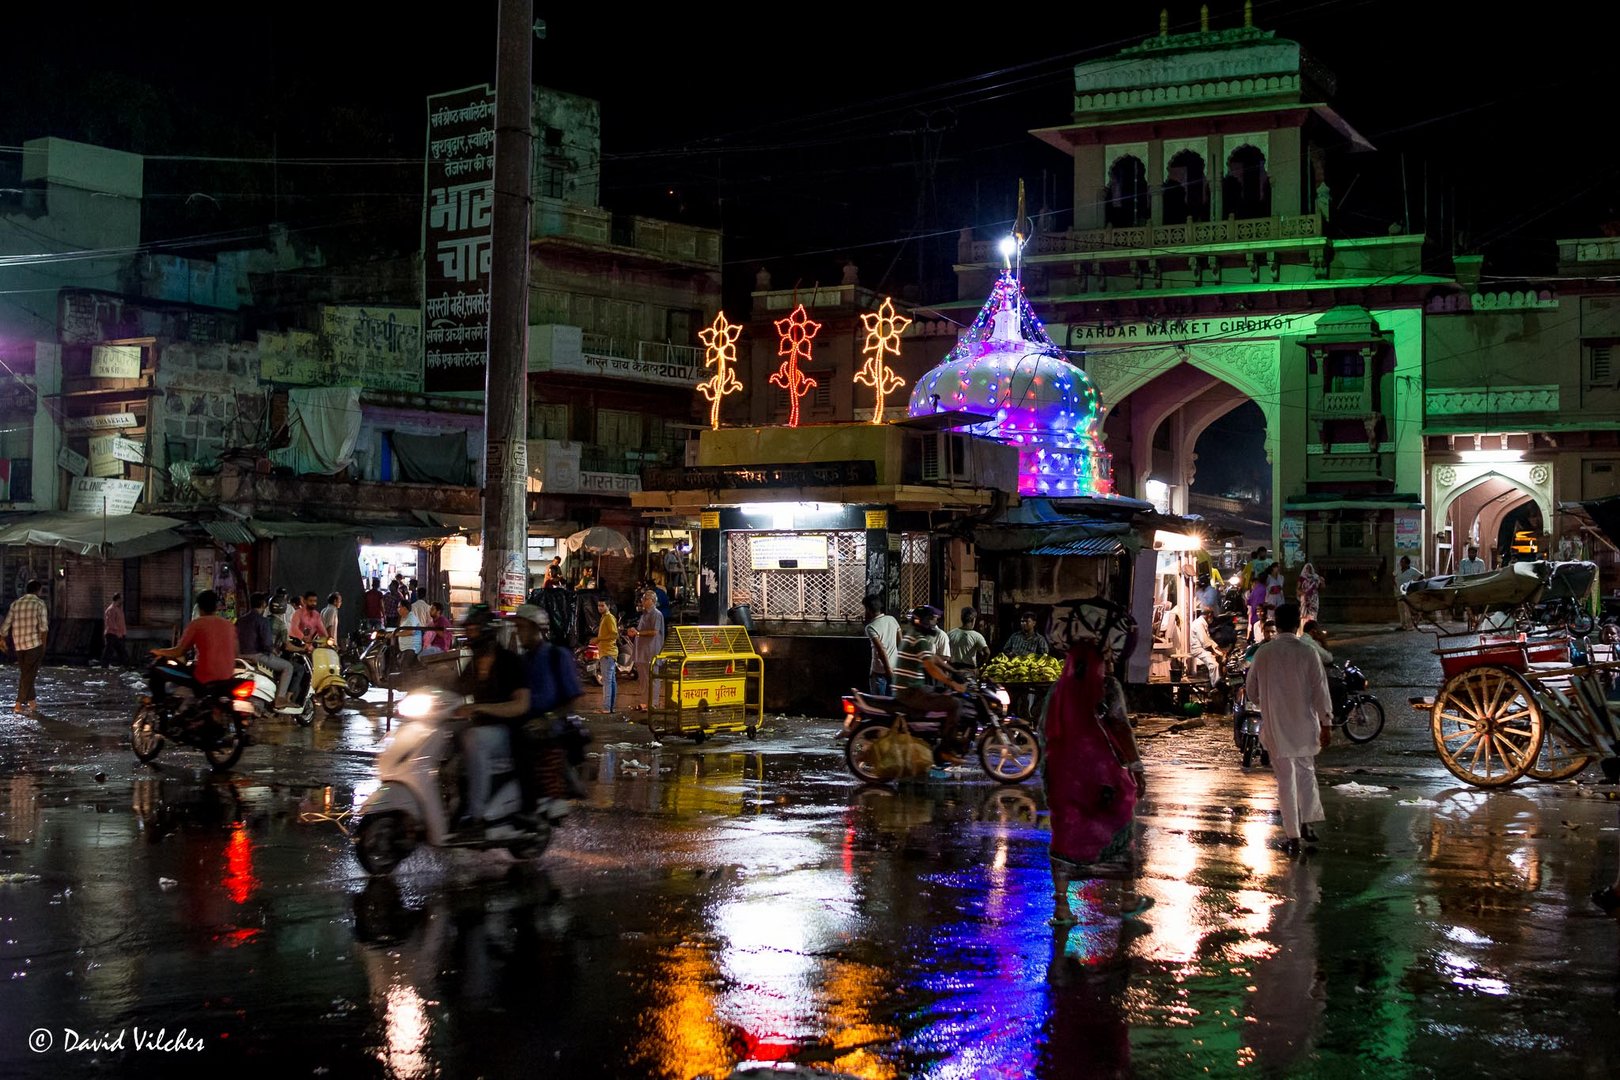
x=1166, y=540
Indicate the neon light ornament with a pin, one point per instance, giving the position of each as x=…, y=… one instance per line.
x=1008, y=369
x=720, y=353
x=883, y=330
x=795, y=334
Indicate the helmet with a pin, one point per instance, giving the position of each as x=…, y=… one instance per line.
x=535, y=614
x=478, y=615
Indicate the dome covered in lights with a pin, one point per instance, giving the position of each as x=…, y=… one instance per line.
x=1007, y=368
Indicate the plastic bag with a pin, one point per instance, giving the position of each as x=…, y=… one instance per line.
x=897, y=753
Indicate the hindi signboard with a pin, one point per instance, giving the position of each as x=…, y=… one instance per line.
x=458, y=209
x=115, y=362
x=99, y=422
x=379, y=348
x=95, y=495
x=71, y=460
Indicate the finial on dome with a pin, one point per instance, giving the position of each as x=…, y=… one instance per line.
x=1164, y=22
x=1248, y=14
x=1203, y=19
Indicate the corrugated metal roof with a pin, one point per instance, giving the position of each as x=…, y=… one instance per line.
x=230, y=532
x=1091, y=545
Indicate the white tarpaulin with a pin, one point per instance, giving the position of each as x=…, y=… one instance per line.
x=324, y=422
x=115, y=536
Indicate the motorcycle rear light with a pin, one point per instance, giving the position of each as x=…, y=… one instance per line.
x=849, y=707
x=243, y=689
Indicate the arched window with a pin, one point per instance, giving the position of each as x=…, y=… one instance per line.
x=1128, y=200
x=1186, y=189
x=1246, y=188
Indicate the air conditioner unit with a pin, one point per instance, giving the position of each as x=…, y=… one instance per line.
x=945, y=459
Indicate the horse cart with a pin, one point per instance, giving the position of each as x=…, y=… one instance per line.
x=1530, y=699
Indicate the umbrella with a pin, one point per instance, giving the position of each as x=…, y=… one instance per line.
x=599, y=540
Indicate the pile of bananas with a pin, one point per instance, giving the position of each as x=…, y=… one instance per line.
x=1024, y=669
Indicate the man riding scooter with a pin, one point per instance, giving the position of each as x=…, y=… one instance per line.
x=256, y=641
x=498, y=683
x=553, y=685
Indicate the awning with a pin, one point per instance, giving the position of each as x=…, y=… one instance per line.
x=114, y=536
x=229, y=532
x=1093, y=545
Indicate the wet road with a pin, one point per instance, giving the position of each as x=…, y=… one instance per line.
x=736, y=903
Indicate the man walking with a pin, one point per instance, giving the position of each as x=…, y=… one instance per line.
x=1473, y=564
x=27, y=622
x=607, y=652
x=1288, y=684
x=883, y=631
x=649, y=642
x=1404, y=577
x=329, y=616
x=113, y=633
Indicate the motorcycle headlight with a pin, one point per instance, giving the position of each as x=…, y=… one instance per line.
x=415, y=706
x=1003, y=697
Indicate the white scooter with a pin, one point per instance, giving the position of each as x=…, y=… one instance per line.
x=420, y=767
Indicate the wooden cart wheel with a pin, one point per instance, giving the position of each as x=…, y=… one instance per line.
x=1487, y=725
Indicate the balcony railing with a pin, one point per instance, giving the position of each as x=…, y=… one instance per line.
x=1352, y=403
x=593, y=225
x=1163, y=238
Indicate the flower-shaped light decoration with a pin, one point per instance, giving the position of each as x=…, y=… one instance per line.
x=883, y=330
x=720, y=353
x=795, y=333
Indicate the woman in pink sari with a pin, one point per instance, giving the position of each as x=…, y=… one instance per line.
x=1093, y=769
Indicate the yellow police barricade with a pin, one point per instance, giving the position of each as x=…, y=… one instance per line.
x=708, y=679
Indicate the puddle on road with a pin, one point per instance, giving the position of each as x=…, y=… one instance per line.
x=733, y=905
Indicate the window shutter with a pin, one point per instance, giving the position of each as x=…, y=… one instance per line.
x=1602, y=366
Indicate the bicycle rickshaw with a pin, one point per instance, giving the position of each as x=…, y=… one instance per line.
x=1517, y=702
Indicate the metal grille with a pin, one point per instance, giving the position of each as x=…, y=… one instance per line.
x=913, y=570
x=830, y=595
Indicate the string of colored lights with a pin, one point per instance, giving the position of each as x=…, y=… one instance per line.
x=883, y=330
x=794, y=335
x=719, y=352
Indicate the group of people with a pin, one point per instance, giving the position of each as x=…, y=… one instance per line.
x=646, y=641
x=965, y=646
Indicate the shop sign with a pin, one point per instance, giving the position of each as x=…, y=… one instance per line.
x=735, y=477
x=96, y=495
x=115, y=362
x=790, y=551
x=99, y=422
x=1406, y=532
x=71, y=460
x=709, y=519
x=877, y=519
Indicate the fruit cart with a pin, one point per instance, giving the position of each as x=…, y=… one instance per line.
x=707, y=680
x=1027, y=679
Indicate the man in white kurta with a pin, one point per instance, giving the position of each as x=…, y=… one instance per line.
x=1287, y=682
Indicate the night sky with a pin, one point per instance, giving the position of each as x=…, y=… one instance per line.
x=809, y=140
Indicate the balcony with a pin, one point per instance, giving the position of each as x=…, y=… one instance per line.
x=664, y=241
x=1160, y=240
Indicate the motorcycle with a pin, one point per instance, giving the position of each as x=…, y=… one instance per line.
x=1007, y=748
x=590, y=663
x=1359, y=713
x=212, y=718
x=380, y=663
x=420, y=767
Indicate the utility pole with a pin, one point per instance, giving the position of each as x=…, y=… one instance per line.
x=506, y=400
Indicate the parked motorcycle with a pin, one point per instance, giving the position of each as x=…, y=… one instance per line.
x=380, y=663
x=213, y=718
x=1007, y=747
x=422, y=776
x=1358, y=712
x=588, y=656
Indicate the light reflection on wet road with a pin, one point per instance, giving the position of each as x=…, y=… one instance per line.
x=748, y=903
